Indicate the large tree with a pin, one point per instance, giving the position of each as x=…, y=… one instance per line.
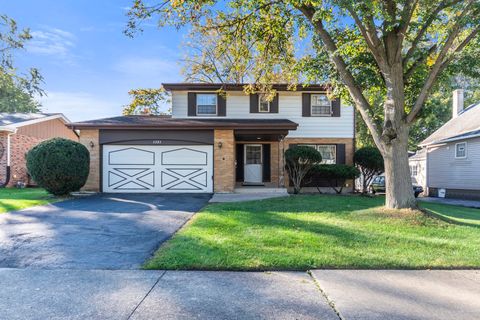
x=386, y=54
x=17, y=90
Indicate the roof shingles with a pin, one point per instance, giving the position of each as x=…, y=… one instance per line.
x=464, y=125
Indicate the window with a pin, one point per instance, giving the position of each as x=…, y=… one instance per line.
x=206, y=104
x=413, y=170
x=461, y=150
x=321, y=106
x=263, y=103
x=328, y=152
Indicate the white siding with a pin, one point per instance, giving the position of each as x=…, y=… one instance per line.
x=445, y=171
x=421, y=177
x=290, y=107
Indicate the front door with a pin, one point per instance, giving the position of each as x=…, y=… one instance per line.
x=253, y=163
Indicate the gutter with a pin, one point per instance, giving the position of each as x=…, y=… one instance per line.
x=8, y=171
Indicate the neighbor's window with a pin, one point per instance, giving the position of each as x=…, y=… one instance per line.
x=328, y=152
x=413, y=170
x=263, y=103
x=321, y=106
x=461, y=150
x=206, y=104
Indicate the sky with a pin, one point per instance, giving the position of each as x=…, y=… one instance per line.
x=89, y=65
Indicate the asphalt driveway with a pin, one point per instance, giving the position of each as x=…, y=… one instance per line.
x=110, y=231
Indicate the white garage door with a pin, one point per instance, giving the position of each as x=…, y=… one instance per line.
x=157, y=168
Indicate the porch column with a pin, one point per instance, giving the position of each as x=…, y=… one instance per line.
x=224, y=161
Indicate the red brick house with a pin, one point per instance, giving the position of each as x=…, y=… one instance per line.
x=19, y=132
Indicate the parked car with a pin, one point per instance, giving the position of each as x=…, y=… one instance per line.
x=378, y=185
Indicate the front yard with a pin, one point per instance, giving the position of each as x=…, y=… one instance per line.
x=12, y=199
x=319, y=231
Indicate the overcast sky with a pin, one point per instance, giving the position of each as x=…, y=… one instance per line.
x=89, y=65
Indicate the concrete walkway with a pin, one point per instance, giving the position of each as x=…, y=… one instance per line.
x=455, y=202
x=326, y=294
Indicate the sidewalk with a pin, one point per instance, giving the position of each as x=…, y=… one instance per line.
x=455, y=202
x=326, y=294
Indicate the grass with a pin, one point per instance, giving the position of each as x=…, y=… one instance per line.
x=12, y=199
x=318, y=231
x=455, y=214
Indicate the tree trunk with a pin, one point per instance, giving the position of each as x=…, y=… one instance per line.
x=398, y=183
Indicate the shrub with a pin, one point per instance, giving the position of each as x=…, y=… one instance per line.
x=59, y=165
x=299, y=160
x=370, y=162
x=336, y=174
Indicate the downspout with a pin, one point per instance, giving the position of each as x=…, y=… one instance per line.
x=7, y=171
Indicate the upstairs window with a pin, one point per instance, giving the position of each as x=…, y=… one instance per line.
x=321, y=105
x=206, y=104
x=461, y=150
x=263, y=103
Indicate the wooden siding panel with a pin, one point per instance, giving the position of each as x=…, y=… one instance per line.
x=290, y=107
x=444, y=171
x=47, y=130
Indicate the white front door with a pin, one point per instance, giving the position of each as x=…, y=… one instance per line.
x=253, y=163
x=137, y=168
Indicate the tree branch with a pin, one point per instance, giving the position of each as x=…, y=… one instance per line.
x=440, y=63
x=355, y=92
x=443, y=5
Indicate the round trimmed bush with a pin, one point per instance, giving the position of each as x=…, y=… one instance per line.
x=59, y=165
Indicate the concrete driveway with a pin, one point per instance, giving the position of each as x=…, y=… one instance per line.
x=110, y=231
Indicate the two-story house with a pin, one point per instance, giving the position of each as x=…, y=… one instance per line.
x=215, y=141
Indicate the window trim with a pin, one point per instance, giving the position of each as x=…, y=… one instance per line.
x=208, y=114
x=311, y=106
x=316, y=145
x=260, y=102
x=463, y=157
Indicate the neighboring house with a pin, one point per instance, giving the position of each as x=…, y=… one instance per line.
x=19, y=132
x=215, y=142
x=452, y=154
x=418, y=166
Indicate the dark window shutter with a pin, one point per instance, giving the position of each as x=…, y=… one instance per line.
x=254, y=103
x=340, y=154
x=306, y=102
x=192, y=104
x=274, y=104
x=222, y=105
x=240, y=166
x=336, y=107
x=266, y=163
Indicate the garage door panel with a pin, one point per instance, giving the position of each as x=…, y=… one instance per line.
x=184, y=156
x=131, y=156
x=134, y=169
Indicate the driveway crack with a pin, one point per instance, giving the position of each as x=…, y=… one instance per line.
x=324, y=294
x=146, y=295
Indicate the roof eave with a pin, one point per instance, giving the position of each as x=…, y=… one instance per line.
x=449, y=140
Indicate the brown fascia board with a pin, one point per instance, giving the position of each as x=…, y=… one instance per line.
x=237, y=87
x=79, y=126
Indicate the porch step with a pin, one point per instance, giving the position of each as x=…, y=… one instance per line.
x=260, y=190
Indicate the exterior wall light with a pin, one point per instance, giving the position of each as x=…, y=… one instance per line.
x=220, y=144
x=92, y=144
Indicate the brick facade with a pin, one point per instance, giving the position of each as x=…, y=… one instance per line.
x=224, y=161
x=86, y=138
x=349, y=151
x=19, y=146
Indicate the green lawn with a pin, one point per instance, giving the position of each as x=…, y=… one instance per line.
x=15, y=199
x=466, y=216
x=318, y=231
